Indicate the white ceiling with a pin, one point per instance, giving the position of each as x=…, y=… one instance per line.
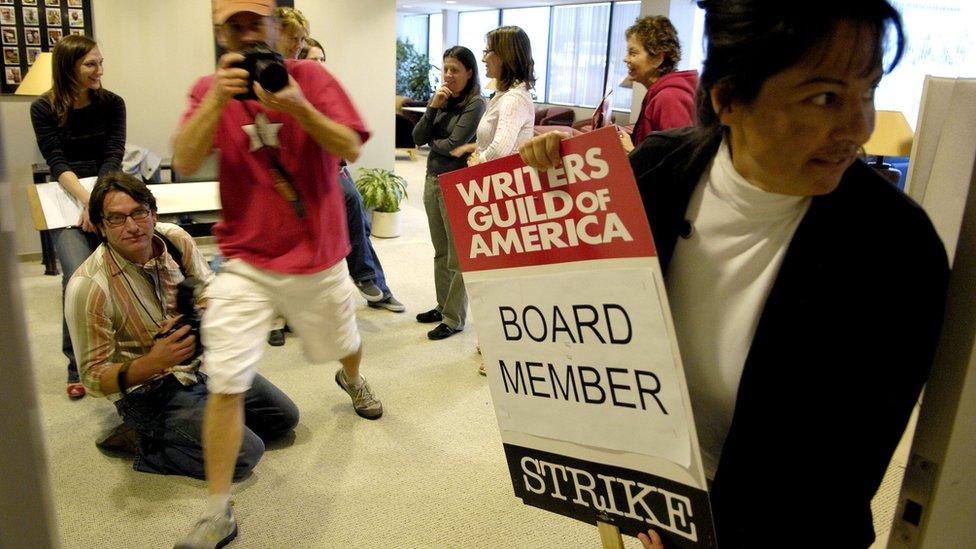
x=429, y=6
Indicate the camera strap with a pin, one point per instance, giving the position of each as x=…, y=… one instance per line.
x=282, y=180
x=174, y=252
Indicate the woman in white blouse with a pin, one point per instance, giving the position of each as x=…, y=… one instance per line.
x=510, y=116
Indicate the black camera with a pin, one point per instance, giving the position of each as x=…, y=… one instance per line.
x=186, y=305
x=264, y=66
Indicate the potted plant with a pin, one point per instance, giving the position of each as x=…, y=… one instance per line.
x=415, y=76
x=382, y=191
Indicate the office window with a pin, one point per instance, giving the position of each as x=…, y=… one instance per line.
x=535, y=23
x=624, y=15
x=473, y=26
x=413, y=29
x=939, y=42
x=578, y=54
x=435, y=33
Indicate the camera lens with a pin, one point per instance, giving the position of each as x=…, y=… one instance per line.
x=271, y=75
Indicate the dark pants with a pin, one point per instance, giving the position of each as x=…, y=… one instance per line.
x=169, y=420
x=362, y=261
x=72, y=246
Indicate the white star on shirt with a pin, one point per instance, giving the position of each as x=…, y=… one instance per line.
x=262, y=132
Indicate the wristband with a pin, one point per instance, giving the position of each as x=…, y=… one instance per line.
x=123, y=370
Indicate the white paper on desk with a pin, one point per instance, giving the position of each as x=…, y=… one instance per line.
x=59, y=207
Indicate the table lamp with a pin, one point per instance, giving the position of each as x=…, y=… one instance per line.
x=38, y=79
x=892, y=137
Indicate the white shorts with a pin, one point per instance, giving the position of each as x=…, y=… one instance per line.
x=243, y=300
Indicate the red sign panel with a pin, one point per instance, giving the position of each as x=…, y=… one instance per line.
x=505, y=214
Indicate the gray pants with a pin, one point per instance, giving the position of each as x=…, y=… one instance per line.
x=452, y=299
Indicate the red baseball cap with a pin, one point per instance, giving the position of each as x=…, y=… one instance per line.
x=223, y=9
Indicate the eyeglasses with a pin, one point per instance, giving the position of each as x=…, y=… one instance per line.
x=117, y=219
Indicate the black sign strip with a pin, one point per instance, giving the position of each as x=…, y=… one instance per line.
x=631, y=500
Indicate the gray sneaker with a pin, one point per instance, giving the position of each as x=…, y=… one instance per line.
x=363, y=401
x=390, y=304
x=211, y=532
x=369, y=290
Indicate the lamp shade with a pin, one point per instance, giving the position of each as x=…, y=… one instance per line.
x=892, y=135
x=38, y=79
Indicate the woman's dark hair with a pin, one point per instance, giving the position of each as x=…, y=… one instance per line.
x=66, y=54
x=122, y=182
x=658, y=36
x=468, y=60
x=750, y=40
x=513, y=46
x=309, y=44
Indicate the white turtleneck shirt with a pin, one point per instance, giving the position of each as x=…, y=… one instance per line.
x=718, y=282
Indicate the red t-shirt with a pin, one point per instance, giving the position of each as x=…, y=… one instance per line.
x=258, y=225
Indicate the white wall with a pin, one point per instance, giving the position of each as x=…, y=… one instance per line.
x=155, y=50
x=359, y=38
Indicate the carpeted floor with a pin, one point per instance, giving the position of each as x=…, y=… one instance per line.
x=430, y=473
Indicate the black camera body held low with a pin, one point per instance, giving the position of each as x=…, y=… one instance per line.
x=186, y=305
x=264, y=66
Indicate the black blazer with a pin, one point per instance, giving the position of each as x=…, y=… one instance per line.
x=843, y=346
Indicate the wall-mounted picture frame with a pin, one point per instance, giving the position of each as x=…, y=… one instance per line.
x=8, y=16
x=11, y=56
x=29, y=15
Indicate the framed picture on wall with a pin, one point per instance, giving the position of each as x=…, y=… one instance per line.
x=30, y=16
x=30, y=27
x=7, y=15
x=9, y=35
x=11, y=56
x=53, y=17
x=12, y=76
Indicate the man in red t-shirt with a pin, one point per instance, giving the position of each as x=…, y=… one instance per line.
x=283, y=233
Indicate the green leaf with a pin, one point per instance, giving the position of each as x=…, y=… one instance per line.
x=382, y=190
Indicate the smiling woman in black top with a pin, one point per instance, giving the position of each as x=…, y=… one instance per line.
x=80, y=130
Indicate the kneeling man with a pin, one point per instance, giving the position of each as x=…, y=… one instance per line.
x=120, y=306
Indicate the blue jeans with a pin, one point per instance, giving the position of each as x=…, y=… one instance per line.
x=72, y=246
x=362, y=260
x=169, y=420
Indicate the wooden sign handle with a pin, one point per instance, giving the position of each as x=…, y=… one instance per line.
x=610, y=536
